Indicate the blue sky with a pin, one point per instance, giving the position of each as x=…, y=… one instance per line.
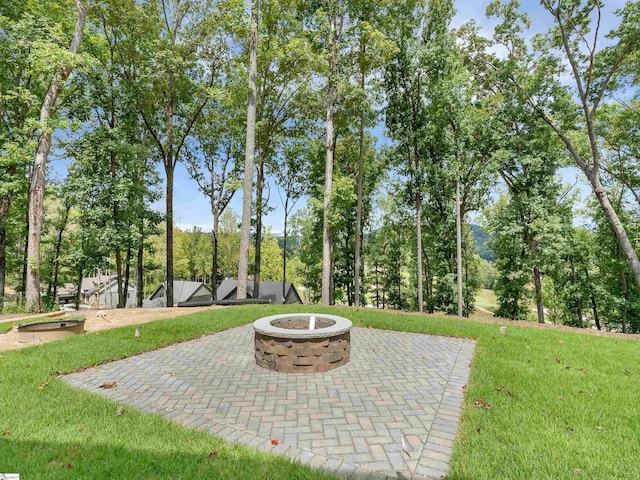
x=191, y=208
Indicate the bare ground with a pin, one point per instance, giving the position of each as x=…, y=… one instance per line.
x=96, y=320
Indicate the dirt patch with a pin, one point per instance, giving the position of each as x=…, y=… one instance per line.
x=97, y=320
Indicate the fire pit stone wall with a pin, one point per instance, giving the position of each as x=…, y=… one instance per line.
x=284, y=343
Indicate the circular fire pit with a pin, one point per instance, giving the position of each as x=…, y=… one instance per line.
x=302, y=342
x=45, y=331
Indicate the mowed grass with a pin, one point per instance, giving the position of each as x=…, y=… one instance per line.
x=539, y=404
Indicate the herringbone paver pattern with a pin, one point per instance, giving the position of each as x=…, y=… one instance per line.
x=399, y=388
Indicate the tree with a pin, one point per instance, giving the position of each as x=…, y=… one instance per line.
x=406, y=118
x=291, y=178
x=37, y=186
x=243, y=264
x=214, y=163
x=171, y=59
x=574, y=39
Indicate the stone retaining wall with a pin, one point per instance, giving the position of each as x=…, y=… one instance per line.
x=291, y=355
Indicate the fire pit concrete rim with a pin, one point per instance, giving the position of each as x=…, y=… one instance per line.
x=264, y=326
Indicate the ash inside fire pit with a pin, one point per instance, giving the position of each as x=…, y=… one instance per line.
x=302, y=342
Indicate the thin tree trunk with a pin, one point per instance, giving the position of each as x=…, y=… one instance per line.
x=578, y=297
x=258, y=257
x=56, y=264
x=594, y=307
x=5, y=204
x=538, y=293
x=79, y=287
x=419, y=250
x=243, y=263
x=359, y=181
x=459, y=247
x=169, y=236
x=37, y=186
x=127, y=275
x=140, y=267
x=284, y=251
x=214, y=256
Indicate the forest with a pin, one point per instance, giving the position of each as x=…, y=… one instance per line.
x=391, y=137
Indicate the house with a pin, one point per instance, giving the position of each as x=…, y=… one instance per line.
x=183, y=292
x=102, y=291
x=270, y=290
x=66, y=294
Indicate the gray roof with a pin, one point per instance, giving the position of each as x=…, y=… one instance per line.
x=271, y=290
x=182, y=291
x=90, y=284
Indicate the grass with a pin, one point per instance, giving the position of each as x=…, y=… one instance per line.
x=487, y=299
x=6, y=326
x=560, y=405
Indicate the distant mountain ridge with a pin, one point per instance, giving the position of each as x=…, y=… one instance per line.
x=481, y=238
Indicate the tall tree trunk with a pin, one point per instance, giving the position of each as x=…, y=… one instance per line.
x=214, y=256
x=359, y=181
x=127, y=276
x=140, y=267
x=79, y=287
x=538, y=293
x=36, y=188
x=419, y=250
x=617, y=227
x=327, y=242
x=594, y=308
x=258, y=258
x=5, y=204
x=284, y=251
x=459, y=246
x=243, y=263
x=56, y=264
x=168, y=292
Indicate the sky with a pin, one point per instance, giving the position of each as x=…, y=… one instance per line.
x=191, y=207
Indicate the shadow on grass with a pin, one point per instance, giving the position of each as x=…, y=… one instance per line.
x=92, y=460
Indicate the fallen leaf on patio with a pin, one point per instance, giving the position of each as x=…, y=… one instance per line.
x=120, y=411
x=108, y=385
x=6, y=432
x=213, y=453
x=628, y=372
x=571, y=429
x=499, y=389
x=41, y=387
x=557, y=358
x=464, y=387
x=274, y=442
x=173, y=374
x=481, y=403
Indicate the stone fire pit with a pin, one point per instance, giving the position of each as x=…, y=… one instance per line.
x=302, y=342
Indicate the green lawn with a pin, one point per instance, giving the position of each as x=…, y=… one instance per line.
x=561, y=405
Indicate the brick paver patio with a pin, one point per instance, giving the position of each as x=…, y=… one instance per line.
x=392, y=412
